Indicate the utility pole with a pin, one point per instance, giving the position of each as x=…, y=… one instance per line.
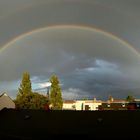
x=48, y=92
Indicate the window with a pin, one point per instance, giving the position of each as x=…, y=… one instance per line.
x=108, y=105
x=123, y=105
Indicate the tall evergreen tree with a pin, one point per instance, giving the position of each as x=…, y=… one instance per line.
x=26, y=99
x=55, y=94
x=25, y=86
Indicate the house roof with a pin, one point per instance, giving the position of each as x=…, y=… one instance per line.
x=3, y=94
x=69, y=101
x=115, y=101
x=119, y=101
x=92, y=101
x=6, y=101
x=86, y=101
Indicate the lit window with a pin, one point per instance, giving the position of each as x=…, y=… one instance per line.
x=123, y=105
x=108, y=105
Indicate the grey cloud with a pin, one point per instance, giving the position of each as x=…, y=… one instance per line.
x=75, y=93
x=75, y=56
x=105, y=15
x=86, y=62
x=63, y=51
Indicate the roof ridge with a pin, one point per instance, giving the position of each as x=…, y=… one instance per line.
x=3, y=94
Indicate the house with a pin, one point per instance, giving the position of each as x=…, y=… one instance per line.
x=88, y=104
x=6, y=102
x=135, y=105
x=92, y=105
x=82, y=105
x=69, y=105
x=137, y=101
x=114, y=105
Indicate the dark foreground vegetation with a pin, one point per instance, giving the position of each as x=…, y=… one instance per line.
x=40, y=124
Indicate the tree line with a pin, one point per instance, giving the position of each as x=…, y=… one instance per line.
x=28, y=99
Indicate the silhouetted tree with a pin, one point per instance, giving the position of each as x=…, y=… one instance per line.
x=26, y=99
x=25, y=86
x=31, y=101
x=55, y=94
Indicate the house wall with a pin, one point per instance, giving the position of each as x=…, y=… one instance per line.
x=114, y=106
x=81, y=105
x=92, y=105
x=68, y=106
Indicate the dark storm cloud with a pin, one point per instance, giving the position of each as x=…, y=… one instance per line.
x=88, y=63
x=101, y=81
x=63, y=51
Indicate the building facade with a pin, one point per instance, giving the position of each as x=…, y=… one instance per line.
x=82, y=105
x=114, y=105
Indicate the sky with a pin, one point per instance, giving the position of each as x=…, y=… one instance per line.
x=91, y=45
